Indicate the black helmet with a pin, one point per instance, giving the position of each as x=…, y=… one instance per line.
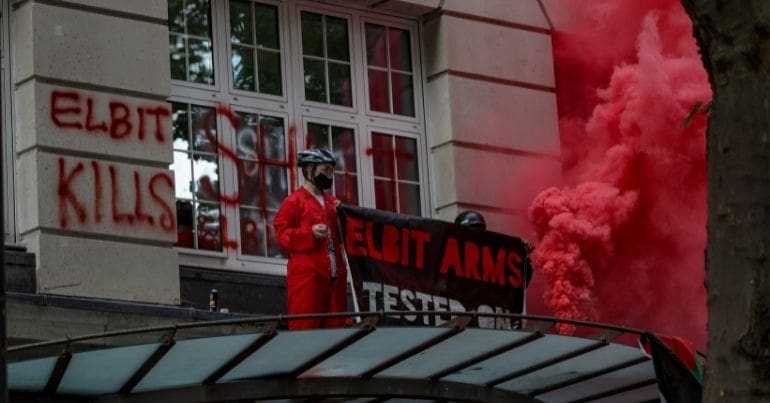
x=472, y=219
x=315, y=155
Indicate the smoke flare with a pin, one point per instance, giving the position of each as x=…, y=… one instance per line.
x=624, y=242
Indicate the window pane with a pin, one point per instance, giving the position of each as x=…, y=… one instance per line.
x=315, y=81
x=184, y=224
x=177, y=54
x=182, y=168
x=176, y=16
x=400, y=50
x=276, y=185
x=198, y=18
x=201, y=63
x=337, y=38
x=273, y=141
x=243, y=68
x=344, y=147
x=375, y=45
x=206, y=176
x=378, y=91
x=403, y=97
x=317, y=135
x=409, y=198
x=406, y=158
x=252, y=227
x=205, y=137
x=266, y=23
x=248, y=183
x=269, y=67
x=312, y=34
x=273, y=249
x=207, y=221
x=240, y=22
x=346, y=187
x=180, y=126
x=339, y=84
x=382, y=155
x=385, y=195
x=246, y=141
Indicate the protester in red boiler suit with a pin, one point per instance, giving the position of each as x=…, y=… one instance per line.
x=306, y=227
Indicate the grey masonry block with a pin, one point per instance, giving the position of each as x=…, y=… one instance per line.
x=96, y=268
x=95, y=122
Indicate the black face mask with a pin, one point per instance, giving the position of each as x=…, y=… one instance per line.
x=323, y=182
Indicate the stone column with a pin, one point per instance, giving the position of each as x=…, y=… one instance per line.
x=94, y=142
x=491, y=113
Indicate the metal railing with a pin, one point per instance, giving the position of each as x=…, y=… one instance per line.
x=282, y=320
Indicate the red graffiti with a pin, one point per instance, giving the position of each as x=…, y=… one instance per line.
x=124, y=120
x=251, y=176
x=227, y=243
x=121, y=126
x=117, y=216
x=66, y=195
x=97, y=191
x=69, y=178
x=292, y=157
x=139, y=213
x=223, y=150
x=90, y=126
x=167, y=221
x=57, y=111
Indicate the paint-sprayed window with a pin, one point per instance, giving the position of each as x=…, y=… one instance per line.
x=396, y=173
x=256, y=81
x=196, y=168
x=262, y=180
x=326, y=59
x=255, y=56
x=389, y=70
x=342, y=142
x=190, y=41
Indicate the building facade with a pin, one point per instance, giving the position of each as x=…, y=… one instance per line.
x=148, y=144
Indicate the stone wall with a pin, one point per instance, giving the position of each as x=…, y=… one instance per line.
x=93, y=144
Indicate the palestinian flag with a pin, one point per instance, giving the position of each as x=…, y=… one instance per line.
x=680, y=376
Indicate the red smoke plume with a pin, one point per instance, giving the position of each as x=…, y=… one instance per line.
x=624, y=243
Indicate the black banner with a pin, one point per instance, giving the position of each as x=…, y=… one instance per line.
x=401, y=262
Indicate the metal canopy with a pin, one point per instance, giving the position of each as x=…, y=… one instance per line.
x=451, y=363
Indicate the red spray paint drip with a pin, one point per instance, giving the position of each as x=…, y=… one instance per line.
x=624, y=242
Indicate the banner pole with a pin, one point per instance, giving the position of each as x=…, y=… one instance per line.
x=356, y=308
x=349, y=279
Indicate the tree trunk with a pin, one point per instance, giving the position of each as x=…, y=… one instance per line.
x=734, y=38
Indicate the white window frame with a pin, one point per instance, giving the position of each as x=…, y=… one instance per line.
x=235, y=228
x=217, y=87
x=414, y=53
x=422, y=166
x=297, y=112
x=283, y=42
x=357, y=135
x=297, y=57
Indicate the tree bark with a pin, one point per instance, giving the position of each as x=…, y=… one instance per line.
x=734, y=38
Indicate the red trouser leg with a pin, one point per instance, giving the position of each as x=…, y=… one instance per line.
x=338, y=302
x=306, y=292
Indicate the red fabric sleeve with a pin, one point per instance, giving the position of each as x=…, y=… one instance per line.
x=288, y=232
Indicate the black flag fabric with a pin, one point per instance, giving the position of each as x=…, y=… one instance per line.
x=401, y=262
x=680, y=376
